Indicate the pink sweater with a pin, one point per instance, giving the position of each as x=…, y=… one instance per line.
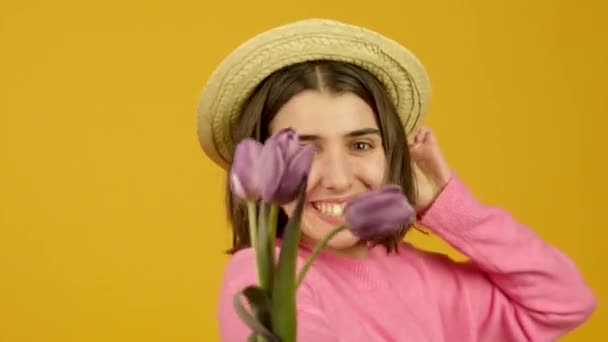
x=516, y=287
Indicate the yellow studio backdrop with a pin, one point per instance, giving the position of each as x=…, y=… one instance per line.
x=111, y=218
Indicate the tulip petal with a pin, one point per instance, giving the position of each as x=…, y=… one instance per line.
x=378, y=213
x=297, y=169
x=270, y=171
x=243, y=182
x=288, y=140
x=237, y=187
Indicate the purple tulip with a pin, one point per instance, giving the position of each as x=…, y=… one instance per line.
x=273, y=171
x=378, y=213
x=244, y=182
x=283, y=165
x=288, y=141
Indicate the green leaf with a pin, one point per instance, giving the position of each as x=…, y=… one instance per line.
x=257, y=300
x=264, y=252
x=283, y=312
x=256, y=338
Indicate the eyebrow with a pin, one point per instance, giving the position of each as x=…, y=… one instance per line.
x=353, y=134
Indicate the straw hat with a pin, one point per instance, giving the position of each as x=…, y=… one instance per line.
x=230, y=85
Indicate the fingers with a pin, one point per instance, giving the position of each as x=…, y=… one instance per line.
x=421, y=136
x=413, y=138
x=424, y=146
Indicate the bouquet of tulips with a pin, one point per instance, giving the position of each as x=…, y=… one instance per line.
x=269, y=175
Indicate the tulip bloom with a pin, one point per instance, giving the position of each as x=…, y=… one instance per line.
x=273, y=171
x=283, y=164
x=244, y=182
x=378, y=213
x=267, y=176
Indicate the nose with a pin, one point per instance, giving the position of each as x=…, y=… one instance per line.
x=333, y=171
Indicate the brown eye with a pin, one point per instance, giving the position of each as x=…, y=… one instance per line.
x=362, y=145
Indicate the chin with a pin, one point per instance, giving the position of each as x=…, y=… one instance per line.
x=343, y=240
x=315, y=229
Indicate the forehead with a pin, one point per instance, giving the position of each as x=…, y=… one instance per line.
x=325, y=114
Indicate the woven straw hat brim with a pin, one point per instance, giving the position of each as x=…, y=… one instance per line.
x=237, y=76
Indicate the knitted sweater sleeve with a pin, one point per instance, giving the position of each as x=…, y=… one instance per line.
x=516, y=287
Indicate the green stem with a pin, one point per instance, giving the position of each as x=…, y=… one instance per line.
x=318, y=248
x=272, y=229
x=253, y=231
x=253, y=226
x=265, y=263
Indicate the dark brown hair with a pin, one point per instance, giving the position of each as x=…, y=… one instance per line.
x=328, y=76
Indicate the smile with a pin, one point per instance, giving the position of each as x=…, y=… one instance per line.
x=329, y=209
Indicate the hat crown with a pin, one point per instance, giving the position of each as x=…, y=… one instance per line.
x=233, y=81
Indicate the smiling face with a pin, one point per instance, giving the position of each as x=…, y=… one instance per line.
x=349, y=158
x=346, y=113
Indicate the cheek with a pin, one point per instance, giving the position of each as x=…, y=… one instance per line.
x=314, y=175
x=371, y=170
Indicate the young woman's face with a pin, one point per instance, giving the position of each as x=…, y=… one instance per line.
x=349, y=158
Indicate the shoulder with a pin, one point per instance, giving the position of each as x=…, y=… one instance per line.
x=242, y=258
x=241, y=270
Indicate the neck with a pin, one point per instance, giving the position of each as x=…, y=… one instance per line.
x=356, y=251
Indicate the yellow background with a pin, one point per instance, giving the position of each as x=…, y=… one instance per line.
x=111, y=221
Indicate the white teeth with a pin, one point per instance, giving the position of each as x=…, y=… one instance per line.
x=337, y=210
x=330, y=209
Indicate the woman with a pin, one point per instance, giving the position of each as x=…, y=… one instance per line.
x=359, y=98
